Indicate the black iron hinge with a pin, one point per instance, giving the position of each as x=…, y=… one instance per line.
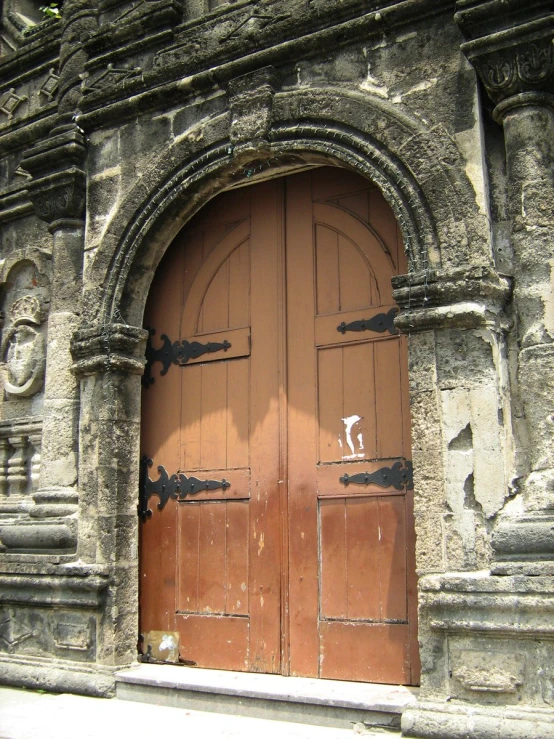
x=398, y=476
x=176, y=352
x=177, y=486
x=379, y=323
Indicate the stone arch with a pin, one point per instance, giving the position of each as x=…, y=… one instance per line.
x=420, y=171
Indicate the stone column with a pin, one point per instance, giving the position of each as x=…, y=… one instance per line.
x=57, y=191
x=109, y=360
x=58, y=194
x=517, y=69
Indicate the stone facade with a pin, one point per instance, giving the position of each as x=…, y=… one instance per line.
x=117, y=123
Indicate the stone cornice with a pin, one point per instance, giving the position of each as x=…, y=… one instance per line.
x=509, y=44
x=206, y=52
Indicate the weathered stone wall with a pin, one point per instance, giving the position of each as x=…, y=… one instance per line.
x=119, y=122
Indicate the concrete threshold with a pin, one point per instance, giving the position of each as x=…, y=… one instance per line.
x=333, y=703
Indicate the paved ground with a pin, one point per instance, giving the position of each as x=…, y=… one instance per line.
x=25, y=714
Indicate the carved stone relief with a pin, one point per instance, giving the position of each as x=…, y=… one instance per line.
x=23, y=348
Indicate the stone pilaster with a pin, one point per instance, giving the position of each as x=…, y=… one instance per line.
x=514, y=57
x=109, y=361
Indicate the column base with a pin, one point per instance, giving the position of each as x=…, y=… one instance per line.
x=55, y=502
x=524, y=545
x=447, y=721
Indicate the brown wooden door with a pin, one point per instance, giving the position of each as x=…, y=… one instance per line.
x=288, y=569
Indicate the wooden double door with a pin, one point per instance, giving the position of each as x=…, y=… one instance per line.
x=281, y=536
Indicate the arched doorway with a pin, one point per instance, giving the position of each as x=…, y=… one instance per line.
x=292, y=549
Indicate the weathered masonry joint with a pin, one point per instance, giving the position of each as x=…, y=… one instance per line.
x=297, y=258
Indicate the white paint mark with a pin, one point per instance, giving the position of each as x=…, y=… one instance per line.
x=302, y=534
x=243, y=587
x=238, y=603
x=351, y=428
x=261, y=601
x=379, y=533
x=167, y=643
x=261, y=544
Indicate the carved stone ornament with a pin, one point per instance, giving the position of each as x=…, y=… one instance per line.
x=251, y=104
x=50, y=85
x=523, y=68
x=10, y=101
x=23, y=349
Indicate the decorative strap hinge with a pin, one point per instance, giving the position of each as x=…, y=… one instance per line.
x=178, y=487
x=176, y=352
x=398, y=476
x=379, y=323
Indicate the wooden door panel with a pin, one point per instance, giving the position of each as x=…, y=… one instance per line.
x=364, y=585
x=374, y=653
x=221, y=585
x=214, y=641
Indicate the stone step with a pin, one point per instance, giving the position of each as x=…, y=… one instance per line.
x=330, y=703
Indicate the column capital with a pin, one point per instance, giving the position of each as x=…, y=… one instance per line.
x=57, y=189
x=460, y=298
x=113, y=347
x=511, y=47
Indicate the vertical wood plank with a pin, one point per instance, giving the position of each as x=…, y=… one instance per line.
x=214, y=314
x=392, y=556
x=362, y=559
x=188, y=560
x=359, y=398
x=327, y=270
x=238, y=403
x=331, y=407
x=355, y=285
x=302, y=432
x=214, y=415
x=265, y=551
x=239, y=287
x=191, y=416
x=212, y=549
x=334, y=602
x=388, y=399
x=236, y=596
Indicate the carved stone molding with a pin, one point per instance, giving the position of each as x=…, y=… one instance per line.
x=57, y=189
x=510, y=49
x=464, y=298
x=251, y=104
x=113, y=347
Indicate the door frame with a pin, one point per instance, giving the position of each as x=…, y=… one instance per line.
x=359, y=131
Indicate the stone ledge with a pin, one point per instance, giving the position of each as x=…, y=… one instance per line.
x=366, y=696
x=57, y=675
